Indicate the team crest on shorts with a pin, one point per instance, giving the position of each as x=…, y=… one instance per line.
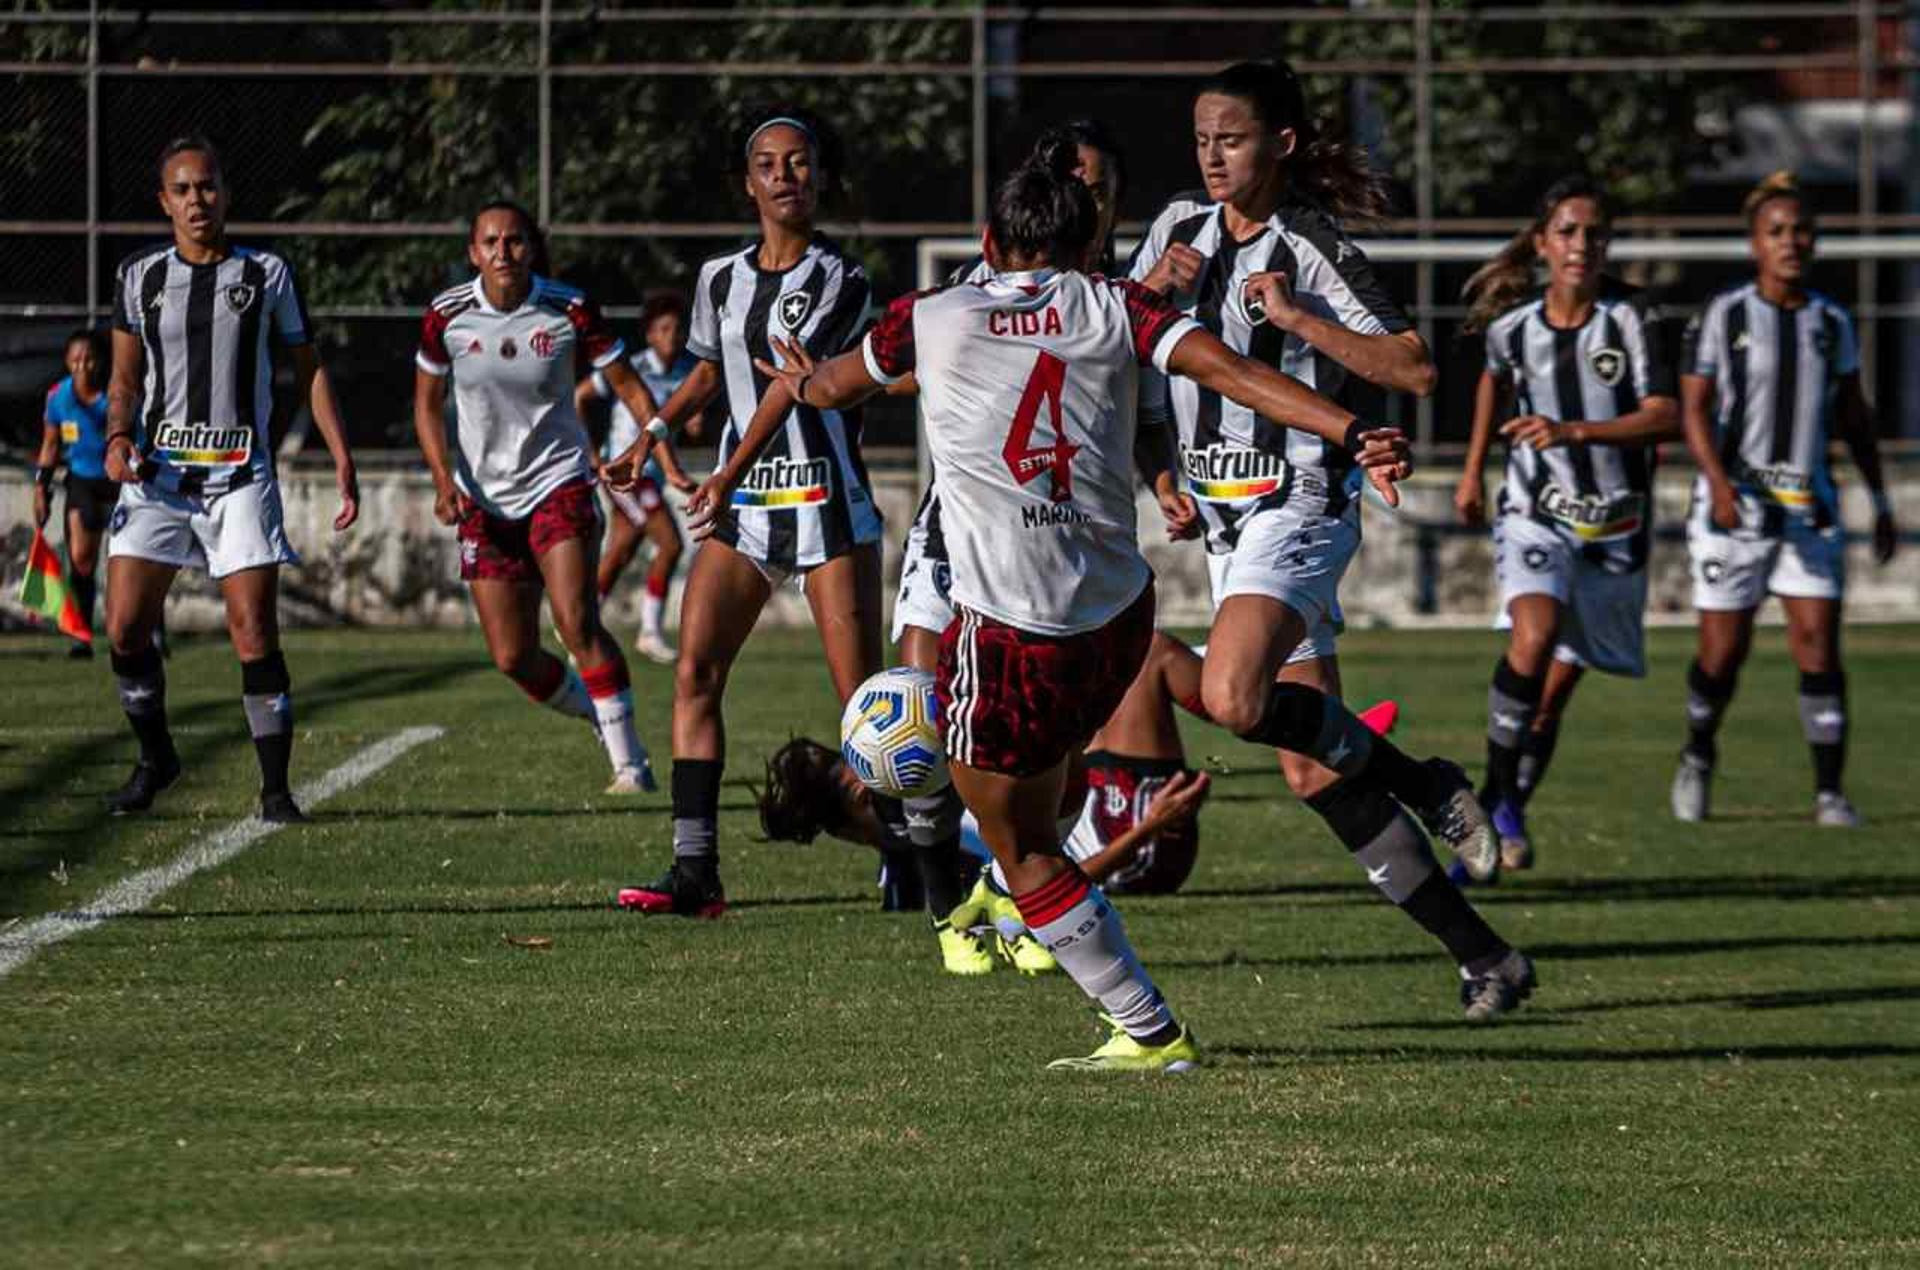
x=1609, y=364
x=1534, y=558
x=240, y=296
x=1713, y=570
x=118, y=520
x=795, y=308
x=508, y=349
x=1255, y=307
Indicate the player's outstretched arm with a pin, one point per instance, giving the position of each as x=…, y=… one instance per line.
x=1177, y=800
x=656, y=439
x=1382, y=452
x=315, y=385
x=700, y=386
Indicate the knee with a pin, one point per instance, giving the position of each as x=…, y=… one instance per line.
x=1529, y=650
x=1235, y=707
x=576, y=626
x=697, y=678
x=1811, y=648
x=515, y=661
x=127, y=633
x=252, y=636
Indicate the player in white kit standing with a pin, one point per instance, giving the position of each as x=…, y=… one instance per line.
x=519, y=484
x=192, y=327
x=1027, y=382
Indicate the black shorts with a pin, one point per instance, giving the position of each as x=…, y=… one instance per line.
x=93, y=498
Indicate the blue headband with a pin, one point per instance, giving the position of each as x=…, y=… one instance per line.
x=790, y=122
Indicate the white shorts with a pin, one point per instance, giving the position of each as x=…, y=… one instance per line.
x=241, y=529
x=1603, y=619
x=923, y=599
x=1736, y=571
x=1298, y=559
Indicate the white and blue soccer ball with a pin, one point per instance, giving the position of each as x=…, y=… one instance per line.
x=890, y=734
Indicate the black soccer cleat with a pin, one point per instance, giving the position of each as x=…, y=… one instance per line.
x=685, y=890
x=1486, y=997
x=143, y=786
x=280, y=809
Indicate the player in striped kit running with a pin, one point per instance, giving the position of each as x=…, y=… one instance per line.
x=1577, y=375
x=1770, y=372
x=805, y=510
x=519, y=483
x=193, y=324
x=1260, y=260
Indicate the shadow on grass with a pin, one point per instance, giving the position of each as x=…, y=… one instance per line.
x=1545, y=954
x=1280, y=1056
x=1567, y=1015
x=864, y=900
x=1724, y=886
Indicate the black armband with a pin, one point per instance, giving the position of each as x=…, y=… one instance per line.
x=43, y=476
x=1353, y=443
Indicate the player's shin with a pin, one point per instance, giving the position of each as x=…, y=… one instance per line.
x=266, y=693
x=1512, y=701
x=696, y=810
x=1087, y=937
x=1310, y=722
x=611, y=693
x=1823, y=721
x=1707, y=701
x=142, y=682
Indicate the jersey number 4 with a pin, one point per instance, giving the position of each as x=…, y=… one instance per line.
x=1023, y=460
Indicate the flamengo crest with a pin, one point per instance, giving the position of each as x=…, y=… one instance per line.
x=240, y=296
x=795, y=308
x=1609, y=364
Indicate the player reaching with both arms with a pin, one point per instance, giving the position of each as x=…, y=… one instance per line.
x=518, y=483
x=193, y=324
x=1260, y=262
x=1027, y=382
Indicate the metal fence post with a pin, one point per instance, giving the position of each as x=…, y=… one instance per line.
x=545, y=68
x=93, y=159
x=1423, y=206
x=1868, y=274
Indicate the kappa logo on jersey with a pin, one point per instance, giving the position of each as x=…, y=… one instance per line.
x=542, y=344
x=1609, y=364
x=1344, y=252
x=1593, y=517
x=508, y=349
x=240, y=296
x=1222, y=473
x=795, y=308
x=202, y=445
x=772, y=484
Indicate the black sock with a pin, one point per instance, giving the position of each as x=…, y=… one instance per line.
x=933, y=826
x=1707, y=701
x=1536, y=754
x=1308, y=721
x=143, y=695
x=84, y=587
x=1823, y=720
x=266, y=695
x=1445, y=914
x=1512, y=701
x=696, y=811
x=902, y=890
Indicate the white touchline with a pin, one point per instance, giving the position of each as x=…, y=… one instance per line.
x=18, y=944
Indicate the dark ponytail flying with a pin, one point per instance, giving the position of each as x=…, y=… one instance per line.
x=1335, y=175
x=1505, y=280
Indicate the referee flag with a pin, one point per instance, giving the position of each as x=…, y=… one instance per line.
x=43, y=591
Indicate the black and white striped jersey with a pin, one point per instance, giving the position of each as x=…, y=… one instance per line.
x=1235, y=461
x=808, y=498
x=1775, y=373
x=1600, y=495
x=207, y=395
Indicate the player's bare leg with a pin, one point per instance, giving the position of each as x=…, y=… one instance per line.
x=567, y=568
x=1144, y=726
x=253, y=625
x=1018, y=821
x=136, y=600
x=1813, y=638
x=622, y=544
x=664, y=536
x=1726, y=637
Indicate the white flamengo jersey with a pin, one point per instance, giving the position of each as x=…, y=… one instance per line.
x=1236, y=461
x=208, y=390
x=516, y=433
x=1027, y=387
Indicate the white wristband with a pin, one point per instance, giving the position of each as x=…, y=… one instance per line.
x=1882, y=505
x=657, y=428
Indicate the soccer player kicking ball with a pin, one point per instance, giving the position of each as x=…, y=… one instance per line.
x=1028, y=382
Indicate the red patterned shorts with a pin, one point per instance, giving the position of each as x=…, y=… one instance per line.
x=494, y=547
x=1017, y=703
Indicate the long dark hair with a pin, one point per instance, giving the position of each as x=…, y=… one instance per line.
x=1503, y=281
x=1042, y=210
x=1094, y=135
x=1336, y=175
x=801, y=798
x=538, y=260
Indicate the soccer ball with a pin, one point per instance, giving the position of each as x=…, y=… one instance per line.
x=890, y=734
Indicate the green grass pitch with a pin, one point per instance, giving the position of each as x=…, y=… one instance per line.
x=327, y=1051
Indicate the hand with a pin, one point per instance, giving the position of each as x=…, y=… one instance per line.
x=1726, y=505
x=1269, y=298
x=42, y=506
x=1886, y=537
x=1178, y=268
x=708, y=504
x=1387, y=459
x=450, y=506
x=347, y=481
x=1537, y=431
x=623, y=472
x=671, y=469
x=1470, y=500
x=123, y=460
x=798, y=366
x=1177, y=506
x=1179, y=799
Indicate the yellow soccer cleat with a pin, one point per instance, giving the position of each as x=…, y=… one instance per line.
x=961, y=953
x=1122, y=1053
x=977, y=909
x=1025, y=953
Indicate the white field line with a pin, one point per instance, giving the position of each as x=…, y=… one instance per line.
x=19, y=944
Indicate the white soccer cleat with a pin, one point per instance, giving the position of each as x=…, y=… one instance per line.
x=1831, y=810
x=1689, y=794
x=653, y=646
x=634, y=779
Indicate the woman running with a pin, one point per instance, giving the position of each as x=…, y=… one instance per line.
x=75, y=428
x=663, y=365
x=519, y=483
x=804, y=511
x=1576, y=377
x=1770, y=371
x=192, y=328
x=1260, y=260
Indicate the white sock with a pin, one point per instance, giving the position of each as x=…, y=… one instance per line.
x=1087, y=938
x=653, y=610
x=570, y=698
x=617, y=732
